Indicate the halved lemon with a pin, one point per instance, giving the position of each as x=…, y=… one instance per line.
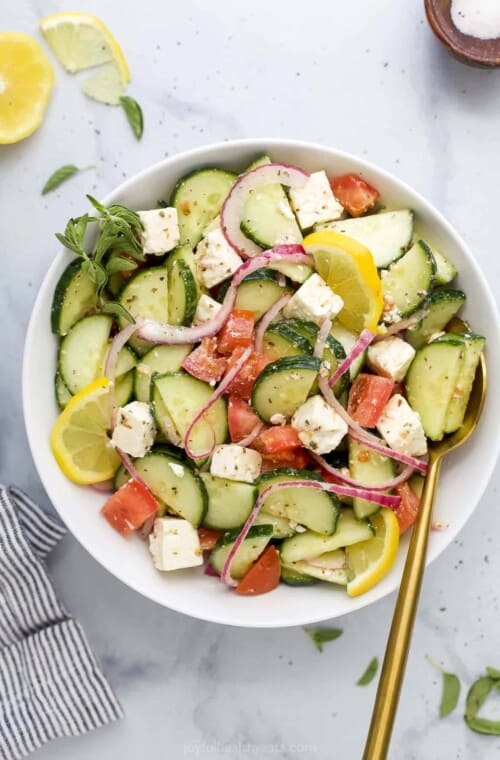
x=26, y=80
x=80, y=440
x=371, y=560
x=349, y=269
x=82, y=41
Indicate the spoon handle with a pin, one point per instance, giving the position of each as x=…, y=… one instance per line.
x=398, y=643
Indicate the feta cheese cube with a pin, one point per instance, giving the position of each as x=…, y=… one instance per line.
x=400, y=426
x=161, y=230
x=206, y=309
x=315, y=203
x=174, y=544
x=391, y=357
x=215, y=259
x=236, y=463
x=318, y=426
x=314, y=300
x=134, y=431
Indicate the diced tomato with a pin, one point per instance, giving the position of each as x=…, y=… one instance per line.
x=367, y=398
x=208, y=538
x=205, y=363
x=130, y=507
x=299, y=459
x=263, y=576
x=238, y=331
x=277, y=439
x=354, y=193
x=243, y=384
x=241, y=418
x=408, y=509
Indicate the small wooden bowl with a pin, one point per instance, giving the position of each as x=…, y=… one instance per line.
x=475, y=52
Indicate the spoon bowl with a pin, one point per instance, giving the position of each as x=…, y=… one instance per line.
x=470, y=50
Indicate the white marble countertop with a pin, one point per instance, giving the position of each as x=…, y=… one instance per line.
x=368, y=78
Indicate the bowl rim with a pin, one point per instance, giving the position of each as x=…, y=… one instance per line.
x=265, y=145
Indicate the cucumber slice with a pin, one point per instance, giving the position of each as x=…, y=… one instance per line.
x=259, y=291
x=307, y=546
x=82, y=351
x=331, y=567
x=369, y=468
x=387, y=235
x=267, y=217
x=183, y=397
x=416, y=483
x=431, y=382
x=408, y=281
x=281, y=526
x=252, y=547
x=185, y=253
x=198, y=198
x=347, y=340
x=124, y=388
x=282, y=340
x=292, y=578
x=442, y=306
x=445, y=271
x=229, y=502
x=182, y=294
x=116, y=282
x=158, y=360
x=284, y=385
x=75, y=295
x=63, y=394
x=474, y=345
x=317, y=510
x=333, y=352
x=125, y=362
x=146, y=295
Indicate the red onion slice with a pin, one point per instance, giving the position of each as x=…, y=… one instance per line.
x=146, y=529
x=117, y=344
x=106, y=486
x=386, y=486
x=127, y=463
x=361, y=344
x=403, y=324
x=293, y=253
x=232, y=209
x=266, y=320
x=250, y=438
x=321, y=338
x=221, y=389
x=385, y=500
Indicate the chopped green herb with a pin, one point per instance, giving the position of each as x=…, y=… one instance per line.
x=493, y=673
x=369, y=674
x=62, y=175
x=323, y=635
x=133, y=112
x=476, y=697
x=451, y=690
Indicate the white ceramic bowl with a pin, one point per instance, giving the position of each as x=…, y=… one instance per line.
x=464, y=478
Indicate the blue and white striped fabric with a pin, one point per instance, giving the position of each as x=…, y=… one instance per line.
x=50, y=683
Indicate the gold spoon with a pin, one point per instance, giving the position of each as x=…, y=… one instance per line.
x=398, y=643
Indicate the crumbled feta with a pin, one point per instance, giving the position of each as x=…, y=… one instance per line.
x=174, y=544
x=134, y=431
x=318, y=426
x=401, y=427
x=297, y=527
x=215, y=259
x=177, y=469
x=391, y=357
x=161, y=230
x=236, y=463
x=206, y=309
x=278, y=419
x=314, y=300
x=315, y=203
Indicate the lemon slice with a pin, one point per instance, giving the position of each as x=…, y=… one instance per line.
x=79, y=438
x=81, y=41
x=349, y=269
x=371, y=560
x=26, y=80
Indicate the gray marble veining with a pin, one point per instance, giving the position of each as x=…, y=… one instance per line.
x=366, y=77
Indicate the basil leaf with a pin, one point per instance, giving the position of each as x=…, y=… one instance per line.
x=451, y=690
x=112, y=307
x=493, y=673
x=323, y=635
x=477, y=696
x=120, y=264
x=369, y=674
x=133, y=112
x=59, y=176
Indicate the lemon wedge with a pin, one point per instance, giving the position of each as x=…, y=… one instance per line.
x=80, y=440
x=371, y=560
x=26, y=80
x=349, y=269
x=82, y=41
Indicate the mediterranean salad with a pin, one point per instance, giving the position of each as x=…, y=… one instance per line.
x=251, y=373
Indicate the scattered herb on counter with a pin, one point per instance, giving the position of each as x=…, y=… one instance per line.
x=134, y=114
x=451, y=690
x=323, y=635
x=369, y=674
x=476, y=697
x=62, y=175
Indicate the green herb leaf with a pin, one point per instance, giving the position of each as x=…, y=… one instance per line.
x=112, y=307
x=61, y=175
x=133, y=112
x=323, y=635
x=476, y=697
x=493, y=673
x=451, y=690
x=120, y=264
x=369, y=674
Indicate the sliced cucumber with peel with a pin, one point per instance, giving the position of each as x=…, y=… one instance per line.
x=229, y=502
x=146, y=295
x=74, y=297
x=83, y=350
x=284, y=385
x=333, y=353
x=408, y=281
x=309, y=545
x=182, y=294
x=348, y=339
x=292, y=577
x=259, y=291
x=282, y=340
x=445, y=270
x=198, y=198
x=158, y=360
x=250, y=550
x=62, y=393
x=442, y=305
x=369, y=468
x=281, y=526
x=331, y=567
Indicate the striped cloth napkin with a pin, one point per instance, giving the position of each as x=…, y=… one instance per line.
x=50, y=682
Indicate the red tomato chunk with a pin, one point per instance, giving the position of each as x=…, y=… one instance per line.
x=275, y=440
x=263, y=576
x=205, y=363
x=354, y=193
x=408, y=509
x=242, y=384
x=208, y=538
x=238, y=331
x=367, y=398
x=130, y=507
x=241, y=418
